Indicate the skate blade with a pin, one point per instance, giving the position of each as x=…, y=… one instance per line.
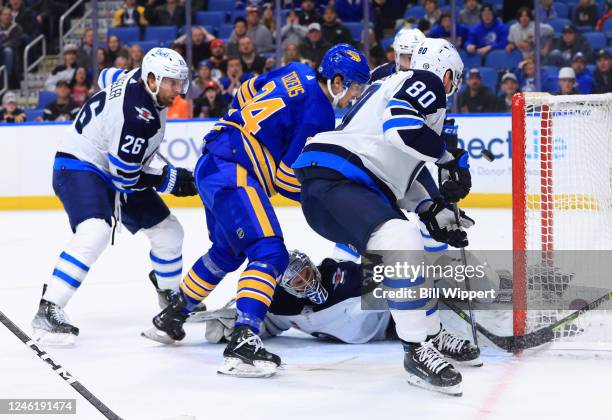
x=49, y=339
x=454, y=390
x=236, y=367
x=158, y=336
x=473, y=363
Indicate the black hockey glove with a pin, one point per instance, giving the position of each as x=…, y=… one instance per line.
x=177, y=181
x=454, y=176
x=439, y=219
x=449, y=134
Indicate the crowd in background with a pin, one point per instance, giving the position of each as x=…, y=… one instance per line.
x=308, y=29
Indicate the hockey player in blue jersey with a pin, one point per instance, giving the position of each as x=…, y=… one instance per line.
x=101, y=173
x=356, y=179
x=247, y=159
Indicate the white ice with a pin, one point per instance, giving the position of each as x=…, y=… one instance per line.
x=140, y=379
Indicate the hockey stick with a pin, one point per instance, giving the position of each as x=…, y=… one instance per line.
x=467, y=280
x=57, y=368
x=535, y=338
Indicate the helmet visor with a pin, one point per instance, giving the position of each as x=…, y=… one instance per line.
x=181, y=86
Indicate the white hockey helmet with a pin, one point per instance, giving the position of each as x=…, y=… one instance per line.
x=404, y=43
x=438, y=56
x=164, y=62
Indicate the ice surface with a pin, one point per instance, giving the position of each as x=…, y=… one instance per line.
x=140, y=379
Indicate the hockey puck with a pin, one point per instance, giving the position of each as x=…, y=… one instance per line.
x=486, y=153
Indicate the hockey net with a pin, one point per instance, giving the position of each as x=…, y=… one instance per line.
x=562, y=214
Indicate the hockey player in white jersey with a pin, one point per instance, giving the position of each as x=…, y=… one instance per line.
x=101, y=173
x=356, y=178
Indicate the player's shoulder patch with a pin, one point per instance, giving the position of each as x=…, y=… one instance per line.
x=423, y=89
x=139, y=109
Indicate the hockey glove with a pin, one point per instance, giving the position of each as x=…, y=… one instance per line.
x=439, y=219
x=454, y=176
x=177, y=181
x=449, y=134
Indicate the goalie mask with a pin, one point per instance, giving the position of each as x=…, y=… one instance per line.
x=302, y=279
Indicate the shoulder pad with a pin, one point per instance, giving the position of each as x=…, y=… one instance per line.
x=422, y=89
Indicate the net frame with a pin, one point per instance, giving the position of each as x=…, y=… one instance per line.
x=542, y=108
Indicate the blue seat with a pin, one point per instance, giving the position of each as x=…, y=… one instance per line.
x=386, y=42
x=501, y=59
x=33, y=114
x=125, y=35
x=596, y=40
x=416, y=12
x=356, y=28
x=160, y=33
x=45, y=98
x=558, y=24
x=221, y=5
x=147, y=45
x=225, y=30
x=239, y=13
x=215, y=19
x=551, y=70
x=489, y=78
x=607, y=27
x=470, y=60
x=562, y=10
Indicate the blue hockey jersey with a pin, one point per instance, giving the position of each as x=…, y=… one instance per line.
x=269, y=121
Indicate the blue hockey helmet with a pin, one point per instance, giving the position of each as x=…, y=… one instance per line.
x=346, y=61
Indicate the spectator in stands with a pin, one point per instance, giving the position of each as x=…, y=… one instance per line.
x=102, y=59
x=292, y=55
x=251, y=61
x=65, y=71
x=114, y=48
x=10, y=113
x=509, y=86
x=130, y=14
x=527, y=75
x=257, y=31
x=390, y=54
x=63, y=108
x=293, y=32
x=470, y=14
x=477, y=98
x=80, y=86
x=200, y=43
x=547, y=12
x=605, y=16
x=135, y=57
x=239, y=32
x=444, y=27
x=169, y=14
x=377, y=53
x=564, y=48
x=603, y=72
x=314, y=47
x=23, y=17
x=235, y=77
x=179, y=110
x=387, y=12
x=218, y=60
x=584, y=78
x=333, y=31
x=84, y=52
x=489, y=34
x=196, y=87
x=211, y=104
x=567, y=82
x=432, y=15
x=522, y=34
x=121, y=62
x=268, y=18
x=585, y=14
x=11, y=36
x=350, y=10
x=308, y=13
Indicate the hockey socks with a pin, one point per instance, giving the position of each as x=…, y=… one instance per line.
x=199, y=282
x=255, y=291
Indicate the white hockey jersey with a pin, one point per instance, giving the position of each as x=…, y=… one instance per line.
x=386, y=138
x=117, y=131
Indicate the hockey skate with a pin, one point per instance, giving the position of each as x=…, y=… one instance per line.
x=168, y=324
x=164, y=295
x=456, y=348
x=246, y=357
x=52, y=327
x=428, y=369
